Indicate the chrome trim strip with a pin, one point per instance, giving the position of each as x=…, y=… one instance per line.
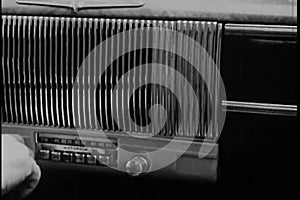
x=260, y=108
x=77, y=5
x=259, y=29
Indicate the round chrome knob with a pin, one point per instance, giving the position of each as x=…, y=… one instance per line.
x=137, y=165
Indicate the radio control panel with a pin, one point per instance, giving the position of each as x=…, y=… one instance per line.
x=75, y=149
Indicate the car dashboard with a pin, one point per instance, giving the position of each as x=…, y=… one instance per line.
x=153, y=99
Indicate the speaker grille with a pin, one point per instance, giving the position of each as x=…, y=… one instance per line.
x=41, y=57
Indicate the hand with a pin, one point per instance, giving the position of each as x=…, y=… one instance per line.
x=20, y=173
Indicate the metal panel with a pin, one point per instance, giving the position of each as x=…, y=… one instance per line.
x=42, y=55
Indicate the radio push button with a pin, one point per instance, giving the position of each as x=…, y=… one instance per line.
x=79, y=158
x=44, y=154
x=91, y=159
x=55, y=156
x=67, y=157
x=104, y=159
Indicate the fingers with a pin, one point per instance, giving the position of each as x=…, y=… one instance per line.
x=32, y=181
x=21, y=140
x=18, y=138
x=18, y=166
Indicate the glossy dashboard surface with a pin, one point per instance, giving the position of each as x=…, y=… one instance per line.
x=250, y=11
x=257, y=152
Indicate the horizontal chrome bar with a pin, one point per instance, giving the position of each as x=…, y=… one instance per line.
x=260, y=29
x=260, y=108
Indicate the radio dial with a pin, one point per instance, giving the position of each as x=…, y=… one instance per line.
x=137, y=165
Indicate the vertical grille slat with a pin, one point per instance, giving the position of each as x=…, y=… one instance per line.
x=118, y=106
x=159, y=72
x=73, y=69
x=83, y=84
x=56, y=72
x=78, y=112
x=179, y=65
x=203, y=71
x=89, y=120
x=19, y=71
x=35, y=68
x=122, y=72
x=14, y=69
x=185, y=72
x=217, y=80
x=62, y=74
x=51, y=70
x=9, y=69
x=46, y=71
x=130, y=43
x=68, y=82
x=101, y=61
x=141, y=109
x=147, y=74
x=4, y=74
x=192, y=55
x=95, y=79
x=41, y=82
x=104, y=90
x=154, y=77
x=172, y=82
x=42, y=56
x=134, y=74
x=209, y=71
x=111, y=78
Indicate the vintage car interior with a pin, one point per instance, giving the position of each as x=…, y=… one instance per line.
x=240, y=127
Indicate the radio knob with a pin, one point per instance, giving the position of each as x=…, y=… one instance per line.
x=137, y=165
